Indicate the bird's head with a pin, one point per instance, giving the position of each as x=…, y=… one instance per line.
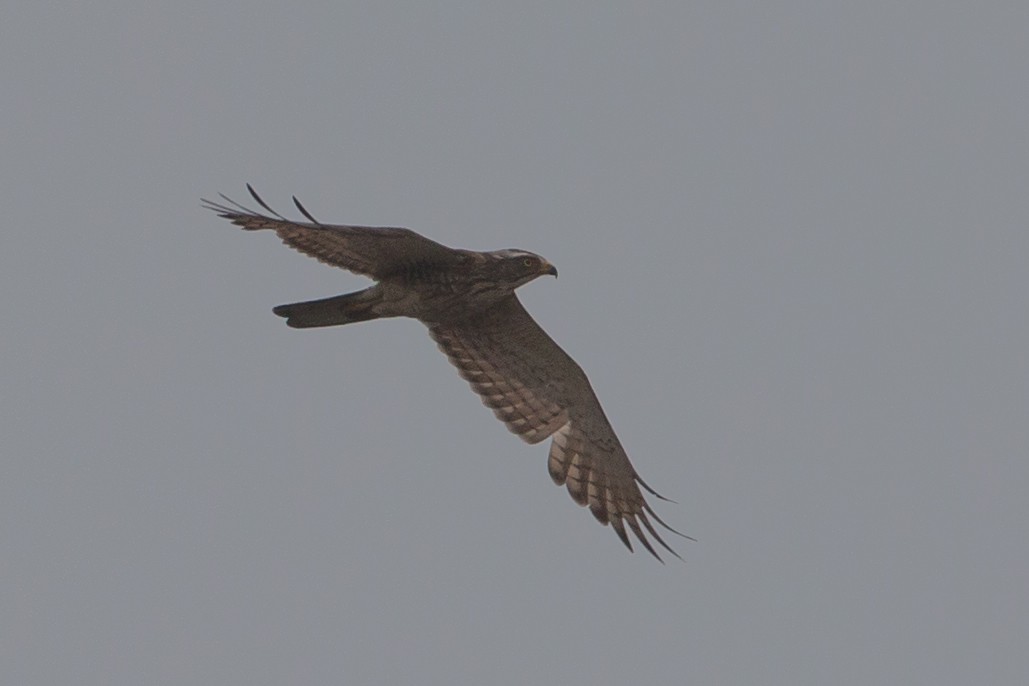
x=518, y=267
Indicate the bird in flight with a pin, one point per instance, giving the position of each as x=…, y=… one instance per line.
x=467, y=300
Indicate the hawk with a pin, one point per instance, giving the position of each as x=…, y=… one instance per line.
x=467, y=300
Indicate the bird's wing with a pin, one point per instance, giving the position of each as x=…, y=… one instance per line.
x=537, y=390
x=377, y=252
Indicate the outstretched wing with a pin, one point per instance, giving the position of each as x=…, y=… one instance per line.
x=537, y=390
x=374, y=251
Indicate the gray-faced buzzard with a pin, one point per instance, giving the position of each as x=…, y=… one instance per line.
x=467, y=300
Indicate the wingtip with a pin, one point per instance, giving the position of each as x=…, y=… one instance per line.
x=651, y=491
x=303, y=211
x=260, y=201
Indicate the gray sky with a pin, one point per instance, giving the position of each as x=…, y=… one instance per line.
x=792, y=241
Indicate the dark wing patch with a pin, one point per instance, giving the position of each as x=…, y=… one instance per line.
x=537, y=390
x=374, y=251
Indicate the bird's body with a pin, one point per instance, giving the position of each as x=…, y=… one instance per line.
x=431, y=291
x=467, y=301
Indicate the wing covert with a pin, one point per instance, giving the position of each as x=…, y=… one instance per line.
x=372, y=251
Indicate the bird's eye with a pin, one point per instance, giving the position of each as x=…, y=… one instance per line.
x=527, y=261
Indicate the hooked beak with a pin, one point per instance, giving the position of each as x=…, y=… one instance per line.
x=548, y=268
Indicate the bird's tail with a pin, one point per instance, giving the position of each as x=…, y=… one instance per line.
x=339, y=309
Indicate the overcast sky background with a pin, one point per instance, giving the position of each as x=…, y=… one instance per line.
x=792, y=240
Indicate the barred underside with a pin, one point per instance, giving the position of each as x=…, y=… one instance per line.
x=585, y=455
x=519, y=372
x=596, y=477
x=513, y=402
